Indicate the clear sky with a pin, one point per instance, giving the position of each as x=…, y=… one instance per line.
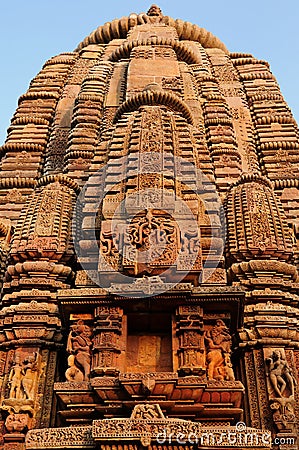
x=32, y=31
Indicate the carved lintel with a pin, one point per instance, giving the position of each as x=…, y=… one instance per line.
x=72, y=437
x=147, y=424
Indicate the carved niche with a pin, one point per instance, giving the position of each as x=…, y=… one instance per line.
x=218, y=343
x=22, y=383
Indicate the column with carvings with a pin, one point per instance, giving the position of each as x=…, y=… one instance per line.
x=40, y=258
x=260, y=253
x=107, y=345
x=189, y=321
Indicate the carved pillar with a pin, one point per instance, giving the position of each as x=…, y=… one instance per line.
x=40, y=258
x=271, y=369
x=189, y=321
x=107, y=332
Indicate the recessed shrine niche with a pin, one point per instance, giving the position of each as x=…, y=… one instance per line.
x=149, y=342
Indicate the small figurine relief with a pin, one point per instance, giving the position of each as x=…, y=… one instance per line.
x=280, y=374
x=22, y=377
x=218, y=349
x=15, y=379
x=29, y=375
x=281, y=389
x=147, y=412
x=16, y=423
x=79, y=345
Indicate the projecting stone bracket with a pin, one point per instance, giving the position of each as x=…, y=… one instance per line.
x=148, y=427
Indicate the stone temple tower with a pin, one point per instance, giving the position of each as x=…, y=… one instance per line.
x=149, y=203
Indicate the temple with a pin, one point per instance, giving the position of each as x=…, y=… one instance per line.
x=149, y=204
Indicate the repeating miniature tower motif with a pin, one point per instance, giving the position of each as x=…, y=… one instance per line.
x=149, y=248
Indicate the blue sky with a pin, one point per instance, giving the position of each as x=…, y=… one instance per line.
x=32, y=31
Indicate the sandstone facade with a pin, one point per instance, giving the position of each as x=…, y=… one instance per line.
x=149, y=248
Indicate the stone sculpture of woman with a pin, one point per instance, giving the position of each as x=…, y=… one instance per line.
x=29, y=372
x=15, y=379
x=280, y=374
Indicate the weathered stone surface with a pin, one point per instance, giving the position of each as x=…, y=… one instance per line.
x=149, y=243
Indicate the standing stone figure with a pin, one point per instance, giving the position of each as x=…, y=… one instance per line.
x=218, y=348
x=22, y=377
x=15, y=379
x=79, y=344
x=29, y=372
x=280, y=374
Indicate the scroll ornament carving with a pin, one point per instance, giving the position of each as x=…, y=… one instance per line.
x=79, y=346
x=218, y=349
x=145, y=424
x=155, y=240
x=152, y=240
x=156, y=236
x=80, y=437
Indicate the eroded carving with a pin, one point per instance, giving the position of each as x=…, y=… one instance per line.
x=16, y=423
x=218, y=349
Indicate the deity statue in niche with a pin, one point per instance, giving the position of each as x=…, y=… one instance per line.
x=281, y=389
x=218, y=349
x=22, y=377
x=15, y=379
x=280, y=375
x=29, y=375
x=79, y=345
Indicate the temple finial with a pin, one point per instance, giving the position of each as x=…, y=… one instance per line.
x=155, y=11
